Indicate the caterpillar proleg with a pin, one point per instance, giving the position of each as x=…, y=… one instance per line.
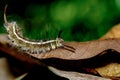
x=31, y=46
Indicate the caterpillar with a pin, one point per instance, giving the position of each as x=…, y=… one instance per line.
x=30, y=46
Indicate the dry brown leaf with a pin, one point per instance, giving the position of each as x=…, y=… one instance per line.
x=75, y=75
x=112, y=69
x=5, y=73
x=83, y=49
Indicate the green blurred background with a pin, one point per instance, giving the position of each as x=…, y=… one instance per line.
x=80, y=20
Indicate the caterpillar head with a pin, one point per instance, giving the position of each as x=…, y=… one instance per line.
x=59, y=42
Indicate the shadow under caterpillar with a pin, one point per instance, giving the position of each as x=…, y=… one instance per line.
x=32, y=46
